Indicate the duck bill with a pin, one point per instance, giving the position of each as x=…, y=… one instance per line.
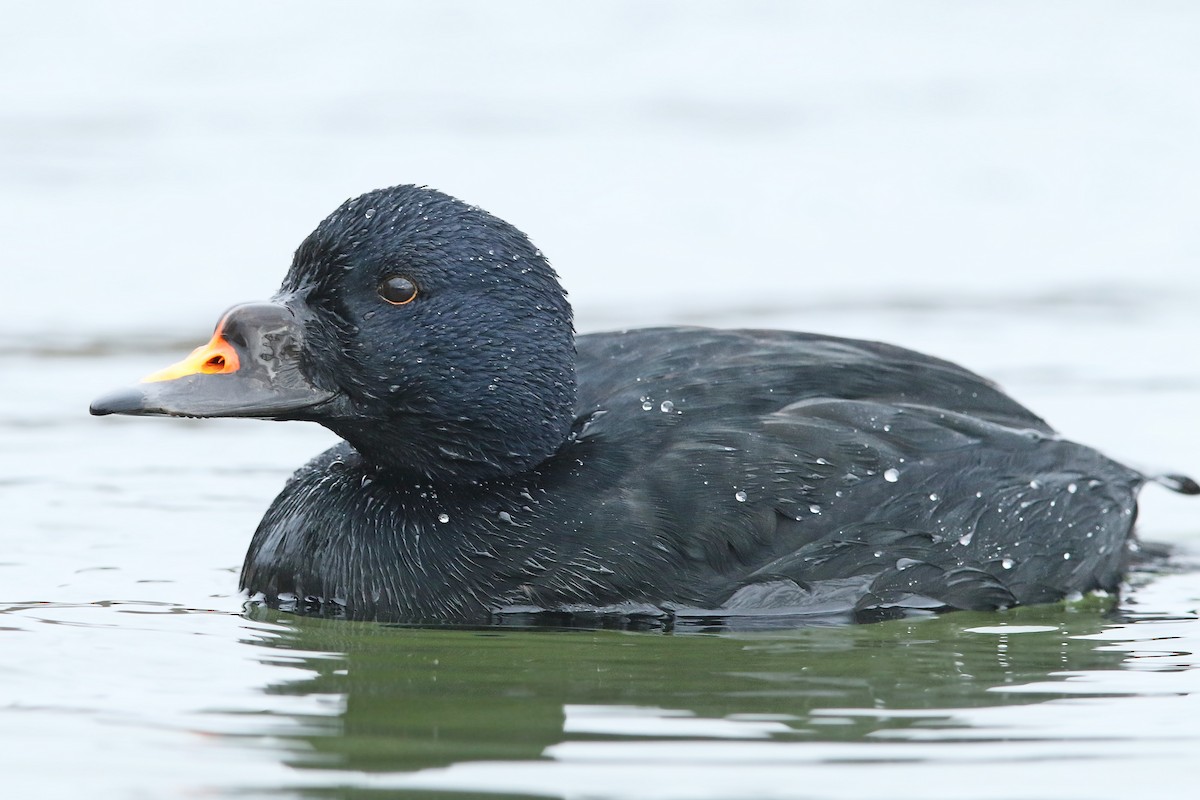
x=250, y=368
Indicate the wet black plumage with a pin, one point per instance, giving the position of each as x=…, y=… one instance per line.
x=495, y=463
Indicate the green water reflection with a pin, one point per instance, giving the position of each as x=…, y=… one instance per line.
x=417, y=698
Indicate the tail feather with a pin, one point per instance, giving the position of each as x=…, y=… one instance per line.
x=1177, y=483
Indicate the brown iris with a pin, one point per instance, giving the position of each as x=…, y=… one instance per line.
x=398, y=290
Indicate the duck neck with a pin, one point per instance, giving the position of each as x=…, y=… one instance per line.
x=506, y=439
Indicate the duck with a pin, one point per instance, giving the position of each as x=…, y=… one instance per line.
x=492, y=463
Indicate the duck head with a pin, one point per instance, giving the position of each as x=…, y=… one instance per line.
x=429, y=334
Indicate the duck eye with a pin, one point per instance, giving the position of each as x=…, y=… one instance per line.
x=398, y=290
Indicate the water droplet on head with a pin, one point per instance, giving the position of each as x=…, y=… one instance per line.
x=966, y=538
x=647, y=405
x=370, y=212
x=1066, y=556
x=1007, y=563
x=933, y=497
x=814, y=509
x=891, y=475
x=443, y=517
x=667, y=406
x=1035, y=485
x=1072, y=488
x=740, y=496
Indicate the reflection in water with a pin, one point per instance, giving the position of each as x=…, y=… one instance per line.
x=419, y=698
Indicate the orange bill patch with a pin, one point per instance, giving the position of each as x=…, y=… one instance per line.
x=214, y=358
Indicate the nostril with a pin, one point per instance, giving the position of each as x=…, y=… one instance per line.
x=215, y=364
